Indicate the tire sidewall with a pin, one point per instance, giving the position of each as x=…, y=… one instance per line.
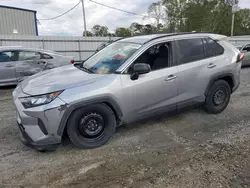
x=78, y=139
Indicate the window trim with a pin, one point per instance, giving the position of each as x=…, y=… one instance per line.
x=177, y=50
x=144, y=49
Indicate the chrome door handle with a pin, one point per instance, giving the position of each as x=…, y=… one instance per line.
x=170, y=78
x=211, y=65
x=8, y=65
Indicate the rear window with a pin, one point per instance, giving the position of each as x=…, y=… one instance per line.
x=212, y=48
x=190, y=50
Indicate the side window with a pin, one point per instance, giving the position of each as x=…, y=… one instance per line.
x=189, y=50
x=246, y=48
x=29, y=55
x=213, y=48
x=8, y=56
x=46, y=56
x=157, y=56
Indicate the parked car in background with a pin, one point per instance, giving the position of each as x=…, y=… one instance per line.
x=16, y=63
x=129, y=80
x=245, y=49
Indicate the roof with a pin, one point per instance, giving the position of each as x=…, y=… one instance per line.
x=4, y=48
x=16, y=8
x=146, y=38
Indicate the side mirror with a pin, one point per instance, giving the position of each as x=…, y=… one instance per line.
x=139, y=68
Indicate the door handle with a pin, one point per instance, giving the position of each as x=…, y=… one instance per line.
x=211, y=65
x=8, y=65
x=170, y=78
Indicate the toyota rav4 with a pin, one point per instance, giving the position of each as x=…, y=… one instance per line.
x=129, y=80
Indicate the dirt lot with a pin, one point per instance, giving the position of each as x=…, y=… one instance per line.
x=192, y=149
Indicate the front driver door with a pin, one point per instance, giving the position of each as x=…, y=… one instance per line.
x=151, y=94
x=7, y=67
x=29, y=63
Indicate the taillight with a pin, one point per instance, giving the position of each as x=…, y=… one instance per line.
x=240, y=57
x=72, y=61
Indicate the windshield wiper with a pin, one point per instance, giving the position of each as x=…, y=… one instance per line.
x=81, y=67
x=86, y=69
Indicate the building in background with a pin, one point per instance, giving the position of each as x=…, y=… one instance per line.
x=17, y=21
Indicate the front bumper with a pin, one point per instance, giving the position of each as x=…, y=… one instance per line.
x=39, y=125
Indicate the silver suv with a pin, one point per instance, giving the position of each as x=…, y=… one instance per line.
x=129, y=80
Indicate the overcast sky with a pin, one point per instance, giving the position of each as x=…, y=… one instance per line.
x=72, y=23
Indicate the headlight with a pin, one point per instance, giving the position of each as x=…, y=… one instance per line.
x=29, y=102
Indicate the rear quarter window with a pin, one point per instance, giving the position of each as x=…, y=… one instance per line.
x=212, y=48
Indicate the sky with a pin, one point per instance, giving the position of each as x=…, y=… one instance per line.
x=71, y=24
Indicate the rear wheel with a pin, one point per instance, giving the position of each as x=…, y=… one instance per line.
x=91, y=126
x=218, y=97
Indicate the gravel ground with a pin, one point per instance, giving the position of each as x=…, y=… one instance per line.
x=192, y=149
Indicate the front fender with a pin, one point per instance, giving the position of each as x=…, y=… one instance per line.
x=69, y=109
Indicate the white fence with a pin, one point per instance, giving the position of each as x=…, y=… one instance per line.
x=78, y=47
x=240, y=39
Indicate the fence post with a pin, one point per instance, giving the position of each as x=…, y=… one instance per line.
x=43, y=43
x=79, y=48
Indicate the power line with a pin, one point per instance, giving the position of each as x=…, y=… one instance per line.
x=62, y=13
x=117, y=8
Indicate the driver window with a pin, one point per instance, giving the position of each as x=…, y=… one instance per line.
x=157, y=56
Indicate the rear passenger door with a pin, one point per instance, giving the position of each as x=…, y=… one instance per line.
x=196, y=64
x=29, y=63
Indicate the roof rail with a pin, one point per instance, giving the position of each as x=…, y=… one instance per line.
x=174, y=34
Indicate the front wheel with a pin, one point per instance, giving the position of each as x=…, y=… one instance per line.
x=218, y=97
x=91, y=126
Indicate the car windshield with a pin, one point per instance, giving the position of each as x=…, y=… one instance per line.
x=109, y=59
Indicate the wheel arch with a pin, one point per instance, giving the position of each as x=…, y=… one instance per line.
x=110, y=102
x=228, y=77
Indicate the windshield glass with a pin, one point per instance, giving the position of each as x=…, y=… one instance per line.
x=109, y=59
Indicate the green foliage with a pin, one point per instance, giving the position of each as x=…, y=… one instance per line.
x=89, y=34
x=186, y=16
x=123, y=32
x=99, y=30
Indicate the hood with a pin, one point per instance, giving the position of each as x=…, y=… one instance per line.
x=57, y=79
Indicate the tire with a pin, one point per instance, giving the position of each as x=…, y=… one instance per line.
x=91, y=126
x=218, y=97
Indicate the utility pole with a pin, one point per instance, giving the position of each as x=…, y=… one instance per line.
x=234, y=10
x=232, y=28
x=84, y=19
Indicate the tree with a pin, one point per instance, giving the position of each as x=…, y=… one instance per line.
x=89, y=34
x=136, y=28
x=156, y=11
x=123, y=32
x=149, y=29
x=101, y=31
